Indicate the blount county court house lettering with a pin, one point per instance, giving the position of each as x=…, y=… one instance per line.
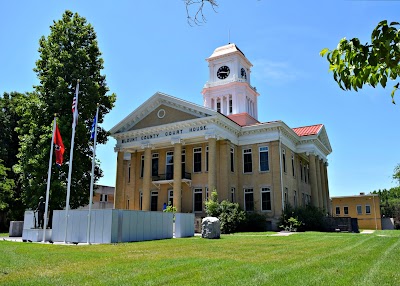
x=165, y=134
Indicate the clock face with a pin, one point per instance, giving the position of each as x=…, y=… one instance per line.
x=243, y=73
x=223, y=72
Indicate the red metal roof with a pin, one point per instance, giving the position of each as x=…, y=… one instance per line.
x=308, y=130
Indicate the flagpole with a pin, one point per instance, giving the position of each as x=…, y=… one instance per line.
x=48, y=179
x=71, y=155
x=92, y=174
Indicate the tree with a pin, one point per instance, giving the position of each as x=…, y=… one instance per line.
x=390, y=203
x=390, y=199
x=6, y=186
x=396, y=174
x=355, y=65
x=12, y=205
x=70, y=52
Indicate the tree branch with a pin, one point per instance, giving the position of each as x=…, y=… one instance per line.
x=199, y=17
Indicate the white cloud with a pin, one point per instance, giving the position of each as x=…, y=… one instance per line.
x=275, y=72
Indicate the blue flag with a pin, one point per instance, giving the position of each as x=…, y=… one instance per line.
x=93, y=129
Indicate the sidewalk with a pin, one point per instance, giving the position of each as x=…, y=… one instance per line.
x=17, y=239
x=368, y=231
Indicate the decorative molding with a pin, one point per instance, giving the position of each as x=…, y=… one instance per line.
x=161, y=113
x=145, y=145
x=177, y=140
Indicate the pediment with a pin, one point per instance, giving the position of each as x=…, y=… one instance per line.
x=162, y=115
x=161, y=109
x=323, y=137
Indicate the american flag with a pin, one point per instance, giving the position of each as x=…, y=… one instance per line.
x=75, y=106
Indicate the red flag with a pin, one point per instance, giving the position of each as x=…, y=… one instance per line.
x=59, y=146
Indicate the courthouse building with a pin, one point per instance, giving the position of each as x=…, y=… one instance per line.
x=174, y=151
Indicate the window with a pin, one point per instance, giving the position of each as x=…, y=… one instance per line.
x=171, y=197
x=301, y=170
x=337, y=210
x=154, y=201
x=198, y=200
x=294, y=199
x=367, y=209
x=286, y=202
x=232, y=160
x=247, y=161
x=230, y=104
x=233, y=195
x=141, y=166
x=359, y=209
x=305, y=173
x=293, y=164
x=303, y=200
x=219, y=106
x=196, y=160
x=346, y=210
x=264, y=164
x=141, y=201
x=183, y=158
x=207, y=194
x=154, y=164
x=103, y=198
x=169, y=165
x=248, y=200
x=129, y=172
x=284, y=160
x=266, y=199
x=207, y=159
x=308, y=174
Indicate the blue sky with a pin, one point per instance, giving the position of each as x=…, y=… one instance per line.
x=148, y=46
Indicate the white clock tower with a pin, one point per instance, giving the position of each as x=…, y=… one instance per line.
x=228, y=88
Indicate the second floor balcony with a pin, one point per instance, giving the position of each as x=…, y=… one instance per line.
x=168, y=178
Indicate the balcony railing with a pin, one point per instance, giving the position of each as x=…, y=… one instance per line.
x=169, y=176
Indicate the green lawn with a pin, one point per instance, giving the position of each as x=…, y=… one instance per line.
x=242, y=259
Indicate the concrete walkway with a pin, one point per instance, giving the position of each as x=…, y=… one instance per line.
x=283, y=233
x=368, y=231
x=17, y=239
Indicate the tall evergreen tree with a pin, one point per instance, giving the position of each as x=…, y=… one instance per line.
x=68, y=54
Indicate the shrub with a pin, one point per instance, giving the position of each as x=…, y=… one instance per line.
x=229, y=214
x=291, y=224
x=254, y=222
x=212, y=206
x=311, y=218
x=170, y=209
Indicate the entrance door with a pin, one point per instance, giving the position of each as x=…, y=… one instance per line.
x=154, y=201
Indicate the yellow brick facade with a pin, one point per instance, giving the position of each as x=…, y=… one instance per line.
x=366, y=208
x=287, y=179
